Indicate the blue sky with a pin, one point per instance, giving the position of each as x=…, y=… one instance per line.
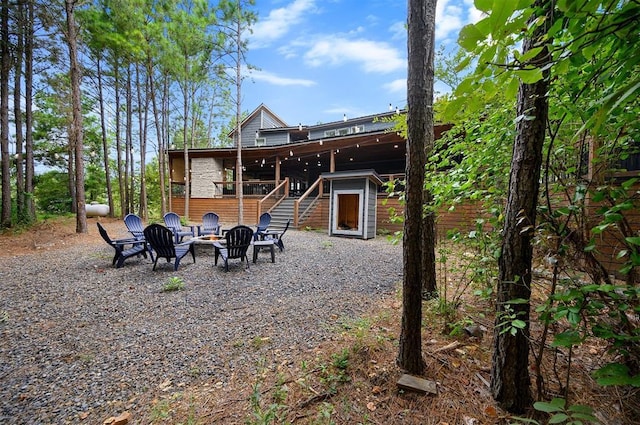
x=319, y=59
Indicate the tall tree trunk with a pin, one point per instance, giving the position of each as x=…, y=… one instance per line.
x=421, y=26
x=129, y=174
x=142, y=130
x=28, y=112
x=239, y=177
x=510, y=380
x=76, y=122
x=187, y=173
x=70, y=168
x=105, y=141
x=165, y=139
x=20, y=22
x=159, y=133
x=121, y=178
x=5, y=69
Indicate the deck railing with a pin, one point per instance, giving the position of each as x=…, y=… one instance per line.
x=273, y=198
x=296, y=205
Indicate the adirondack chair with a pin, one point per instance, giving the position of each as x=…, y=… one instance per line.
x=210, y=225
x=238, y=241
x=276, y=235
x=134, y=225
x=122, y=252
x=163, y=243
x=263, y=223
x=172, y=221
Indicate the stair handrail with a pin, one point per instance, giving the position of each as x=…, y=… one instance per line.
x=273, y=193
x=296, y=203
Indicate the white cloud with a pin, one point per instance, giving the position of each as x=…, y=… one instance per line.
x=279, y=21
x=450, y=18
x=398, y=86
x=398, y=30
x=372, y=56
x=276, y=80
x=474, y=15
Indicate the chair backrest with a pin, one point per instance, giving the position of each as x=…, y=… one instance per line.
x=210, y=221
x=263, y=223
x=238, y=241
x=104, y=234
x=172, y=220
x=285, y=228
x=134, y=225
x=161, y=240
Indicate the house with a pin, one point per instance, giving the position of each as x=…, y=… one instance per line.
x=282, y=167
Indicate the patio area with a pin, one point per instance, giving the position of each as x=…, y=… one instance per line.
x=82, y=339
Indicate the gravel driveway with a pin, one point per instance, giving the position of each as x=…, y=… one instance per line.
x=81, y=339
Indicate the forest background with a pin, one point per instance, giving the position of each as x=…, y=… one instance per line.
x=148, y=58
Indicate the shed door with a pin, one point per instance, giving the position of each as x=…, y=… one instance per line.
x=348, y=212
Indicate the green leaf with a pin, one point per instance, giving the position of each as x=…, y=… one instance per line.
x=580, y=408
x=633, y=240
x=558, y=418
x=566, y=339
x=529, y=76
x=470, y=37
x=500, y=14
x=555, y=405
x=520, y=324
x=483, y=5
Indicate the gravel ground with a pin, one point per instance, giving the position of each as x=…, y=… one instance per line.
x=82, y=341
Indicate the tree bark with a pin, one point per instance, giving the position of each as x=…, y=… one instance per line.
x=76, y=122
x=17, y=110
x=105, y=141
x=510, y=380
x=142, y=130
x=421, y=24
x=5, y=69
x=30, y=204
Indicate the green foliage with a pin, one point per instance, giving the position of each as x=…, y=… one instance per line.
x=271, y=411
x=52, y=192
x=563, y=414
x=509, y=319
x=175, y=283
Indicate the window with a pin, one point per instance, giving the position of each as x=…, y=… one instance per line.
x=261, y=141
x=329, y=133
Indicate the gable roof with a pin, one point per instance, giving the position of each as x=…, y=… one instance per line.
x=262, y=108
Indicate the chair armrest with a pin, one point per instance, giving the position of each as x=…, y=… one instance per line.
x=126, y=241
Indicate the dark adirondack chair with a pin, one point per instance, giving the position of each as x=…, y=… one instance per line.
x=162, y=240
x=134, y=225
x=210, y=225
x=172, y=221
x=238, y=241
x=124, y=248
x=263, y=223
x=277, y=235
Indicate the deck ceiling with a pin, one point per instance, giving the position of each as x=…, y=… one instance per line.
x=384, y=152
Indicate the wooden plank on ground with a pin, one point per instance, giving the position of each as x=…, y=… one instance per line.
x=414, y=383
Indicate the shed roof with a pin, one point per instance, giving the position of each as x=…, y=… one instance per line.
x=353, y=174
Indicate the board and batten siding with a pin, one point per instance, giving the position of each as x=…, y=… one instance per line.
x=371, y=209
x=249, y=132
x=204, y=172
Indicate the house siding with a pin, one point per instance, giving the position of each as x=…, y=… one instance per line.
x=371, y=209
x=276, y=138
x=249, y=132
x=369, y=126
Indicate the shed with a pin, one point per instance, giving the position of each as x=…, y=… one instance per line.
x=352, y=205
